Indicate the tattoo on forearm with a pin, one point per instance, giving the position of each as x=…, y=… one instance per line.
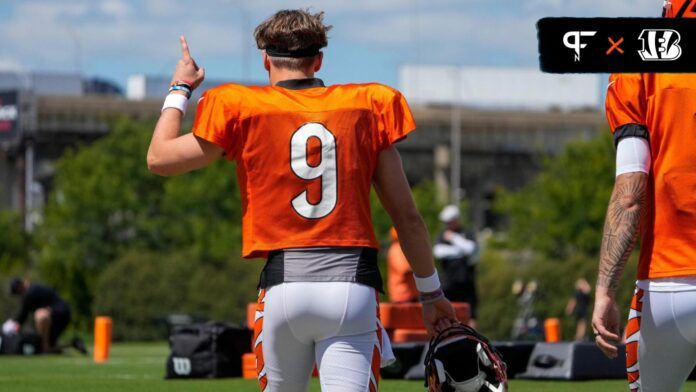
x=624, y=214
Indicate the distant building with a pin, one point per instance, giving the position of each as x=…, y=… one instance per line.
x=43, y=113
x=499, y=88
x=141, y=87
x=57, y=84
x=42, y=83
x=99, y=86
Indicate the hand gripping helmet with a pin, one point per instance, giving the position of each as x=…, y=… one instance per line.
x=679, y=9
x=459, y=359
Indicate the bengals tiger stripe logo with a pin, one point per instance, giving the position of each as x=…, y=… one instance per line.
x=376, y=353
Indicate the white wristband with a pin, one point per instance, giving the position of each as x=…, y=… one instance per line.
x=429, y=284
x=176, y=101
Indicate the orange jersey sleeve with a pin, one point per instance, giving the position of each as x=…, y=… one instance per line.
x=626, y=106
x=395, y=118
x=217, y=121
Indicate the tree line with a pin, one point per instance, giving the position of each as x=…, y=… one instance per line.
x=118, y=240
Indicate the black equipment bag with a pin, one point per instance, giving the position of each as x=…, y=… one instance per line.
x=209, y=350
x=22, y=343
x=573, y=361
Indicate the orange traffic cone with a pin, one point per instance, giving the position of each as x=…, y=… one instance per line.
x=102, y=339
x=552, y=330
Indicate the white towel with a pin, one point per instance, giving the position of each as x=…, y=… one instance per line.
x=387, y=354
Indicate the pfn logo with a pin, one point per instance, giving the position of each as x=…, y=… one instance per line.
x=573, y=40
x=660, y=45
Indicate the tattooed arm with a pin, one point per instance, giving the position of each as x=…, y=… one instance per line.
x=626, y=208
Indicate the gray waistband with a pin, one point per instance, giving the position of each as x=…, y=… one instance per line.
x=322, y=264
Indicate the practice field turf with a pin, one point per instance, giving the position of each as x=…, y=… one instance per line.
x=140, y=367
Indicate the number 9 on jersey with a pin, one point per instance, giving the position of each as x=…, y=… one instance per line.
x=326, y=170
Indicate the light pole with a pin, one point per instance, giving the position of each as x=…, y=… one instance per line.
x=455, y=139
x=27, y=126
x=245, y=44
x=29, y=185
x=78, y=48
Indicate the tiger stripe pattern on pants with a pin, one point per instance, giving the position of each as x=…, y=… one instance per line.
x=376, y=352
x=632, y=338
x=258, y=341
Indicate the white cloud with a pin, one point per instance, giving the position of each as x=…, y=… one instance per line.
x=165, y=8
x=40, y=10
x=337, y=7
x=452, y=37
x=115, y=8
x=49, y=36
x=478, y=33
x=9, y=64
x=588, y=8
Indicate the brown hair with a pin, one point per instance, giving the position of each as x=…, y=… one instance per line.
x=293, y=30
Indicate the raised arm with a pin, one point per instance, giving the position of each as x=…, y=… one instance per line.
x=169, y=153
x=395, y=194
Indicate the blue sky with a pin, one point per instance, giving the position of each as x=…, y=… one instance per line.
x=370, y=38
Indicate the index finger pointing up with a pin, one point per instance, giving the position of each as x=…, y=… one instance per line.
x=184, y=48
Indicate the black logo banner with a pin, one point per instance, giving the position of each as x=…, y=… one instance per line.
x=607, y=45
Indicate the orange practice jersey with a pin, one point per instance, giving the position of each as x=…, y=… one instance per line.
x=305, y=158
x=662, y=107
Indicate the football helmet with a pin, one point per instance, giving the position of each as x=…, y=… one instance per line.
x=679, y=9
x=459, y=359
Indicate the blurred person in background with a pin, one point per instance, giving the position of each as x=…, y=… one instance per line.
x=526, y=325
x=578, y=305
x=401, y=286
x=51, y=314
x=651, y=116
x=457, y=253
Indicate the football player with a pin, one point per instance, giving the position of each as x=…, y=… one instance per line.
x=652, y=119
x=306, y=157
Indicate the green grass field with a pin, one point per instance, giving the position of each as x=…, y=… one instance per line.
x=140, y=367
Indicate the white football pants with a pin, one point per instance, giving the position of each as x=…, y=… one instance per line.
x=661, y=340
x=332, y=324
